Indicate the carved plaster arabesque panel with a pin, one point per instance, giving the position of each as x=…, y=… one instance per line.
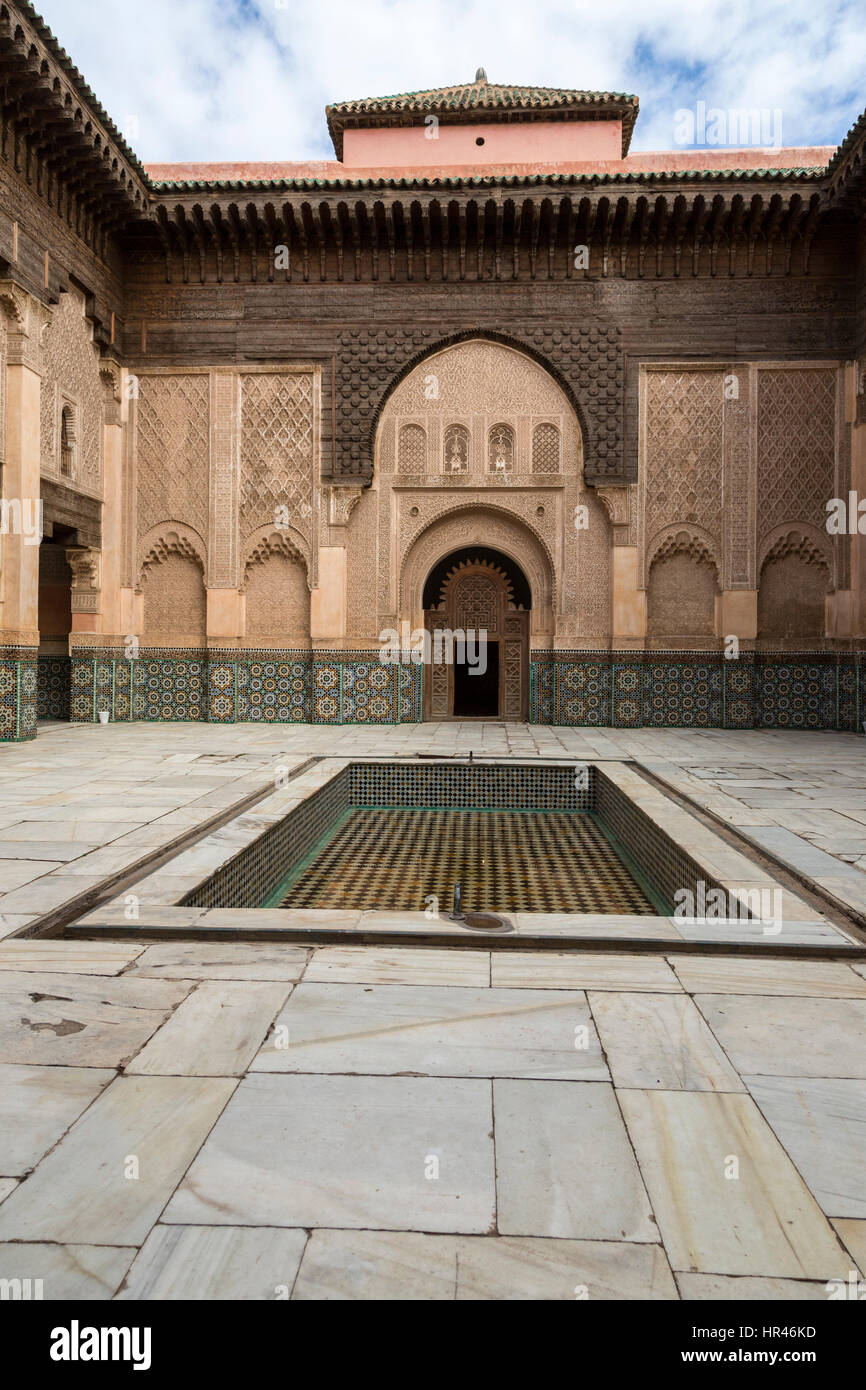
x=70, y=376
x=480, y=384
x=739, y=479
x=799, y=459
x=223, y=541
x=681, y=452
x=369, y=361
x=172, y=452
x=279, y=451
x=3, y=358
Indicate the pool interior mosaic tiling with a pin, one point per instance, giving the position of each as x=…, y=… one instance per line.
x=397, y=858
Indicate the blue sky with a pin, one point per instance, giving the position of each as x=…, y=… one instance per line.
x=249, y=79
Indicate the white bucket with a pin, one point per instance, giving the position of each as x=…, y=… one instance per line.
x=103, y=716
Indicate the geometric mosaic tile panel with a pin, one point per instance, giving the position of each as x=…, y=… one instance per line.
x=670, y=690
x=53, y=693
x=19, y=693
x=702, y=690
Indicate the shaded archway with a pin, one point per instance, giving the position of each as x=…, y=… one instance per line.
x=476, y=611
x=55, y=623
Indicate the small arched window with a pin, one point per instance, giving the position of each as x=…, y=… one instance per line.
x=545, y=449
x=412, y=450
x=67, y=442
x=456, y=449
x=500, y=449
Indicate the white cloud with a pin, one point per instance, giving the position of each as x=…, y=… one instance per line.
x=238, y=80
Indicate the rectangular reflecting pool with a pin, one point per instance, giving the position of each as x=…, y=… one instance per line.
x=395, y=836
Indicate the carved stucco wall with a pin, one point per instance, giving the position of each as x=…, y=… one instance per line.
x=70, y=377
x=278, y=456
x=175, y=606
x=498, y=397
x=3, y=357
x=733, y=458
x=277, y=594
x=218, y=458
x=172, y=454
x=585, y=355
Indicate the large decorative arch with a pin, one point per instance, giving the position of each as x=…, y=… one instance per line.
x=491, y=336
x=479, y=524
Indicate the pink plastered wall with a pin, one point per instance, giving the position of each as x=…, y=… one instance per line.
x=523, y=142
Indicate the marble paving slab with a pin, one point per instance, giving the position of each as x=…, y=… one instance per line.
x=564, y=1164
x=745, y=932
x=578, y=924
x=220, y=960
x=11, y=922
x=822, y=1124
x=14, y=873
x=581, y=970
x=425, y=1030
x=397, y=1266
x=659, y=1041
x=7, y=1185
x=398, y=965
x=799, y=854
x=43, y=895
x=763, y=1221
x=755, y=975
x=771, y=1036
x=59, y=853
x=750, y=1288
x=68, y=1272
x=346, y=1152
x=37, y=1106
x=68, y=957
x=216, y=1031
x=80, y=1020
x=83, y=1191
x=853, y=1237
x=215, y=1262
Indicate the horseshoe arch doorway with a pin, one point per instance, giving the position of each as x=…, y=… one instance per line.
x=477, y=605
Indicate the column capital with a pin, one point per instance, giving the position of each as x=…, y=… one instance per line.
x=343, y=498
x=27, y=321
x=86, y=566
x=617, y=503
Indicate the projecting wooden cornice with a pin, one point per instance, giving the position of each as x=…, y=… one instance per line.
x=516, y=236
x=56, y=135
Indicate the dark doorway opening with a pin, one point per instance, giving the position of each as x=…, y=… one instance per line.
x=55, y=623
x=476, y=690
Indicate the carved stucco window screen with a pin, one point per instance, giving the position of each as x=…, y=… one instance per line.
x=456, y=450
x=546, y=448
x=500, y=449
x=68, y=440
x=412, y=450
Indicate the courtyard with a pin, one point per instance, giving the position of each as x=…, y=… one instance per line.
x=231, y=1114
